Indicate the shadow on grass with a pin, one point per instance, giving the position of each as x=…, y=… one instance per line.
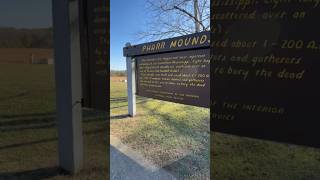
x=42, y=120
x=86, y=113
x=26, y=115
x=119, y=99
x=180, y=126
x=95, y=131
x=190, y=165
x=122, y=116
x=125, y=99
x=42, y=173
x=139, y=102
x=24, y=93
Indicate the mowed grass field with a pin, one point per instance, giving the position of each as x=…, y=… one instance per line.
x=28, y=131
x=173, y=136
x=236, y=158
x=176, y=137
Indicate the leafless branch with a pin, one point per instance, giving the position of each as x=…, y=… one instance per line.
x=169, y=18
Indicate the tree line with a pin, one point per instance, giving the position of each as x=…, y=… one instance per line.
x=26, y=38
x=118, y=73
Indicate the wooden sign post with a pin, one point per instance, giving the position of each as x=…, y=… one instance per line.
x=68, y=84
x=81, y=71
x=131, y=84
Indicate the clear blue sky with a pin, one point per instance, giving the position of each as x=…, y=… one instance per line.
x=127, y=17
x=25, y=13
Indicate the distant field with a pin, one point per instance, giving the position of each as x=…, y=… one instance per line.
x=24, y=55
x=28, y=134
x=117, y=78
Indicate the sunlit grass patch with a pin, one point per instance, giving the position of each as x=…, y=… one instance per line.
x=164, y=132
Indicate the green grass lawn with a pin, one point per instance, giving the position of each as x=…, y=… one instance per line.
x=28, y=133
x=245, y=158
x=165, y=131
x=173, y=136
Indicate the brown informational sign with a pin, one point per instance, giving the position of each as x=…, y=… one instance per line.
x=175, y=69
x=187, y=42
x=265, y=70
x=181, y=77
x=94, y=51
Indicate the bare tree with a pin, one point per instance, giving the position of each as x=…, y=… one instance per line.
x=169, y=18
